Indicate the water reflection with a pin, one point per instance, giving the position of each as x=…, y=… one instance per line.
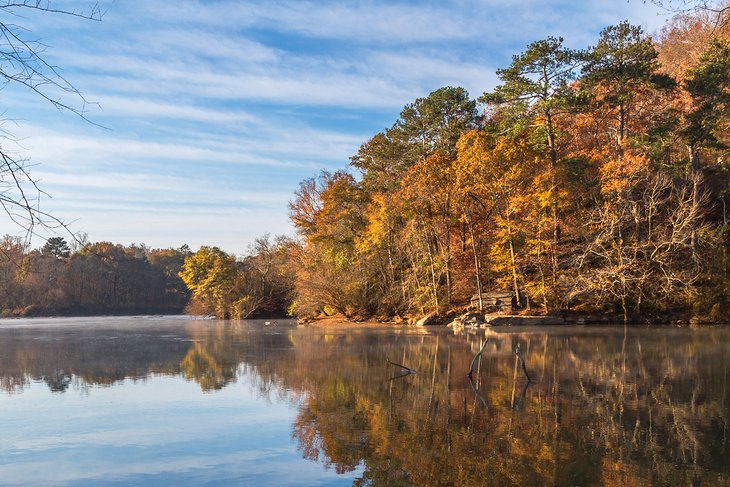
x=522, y=407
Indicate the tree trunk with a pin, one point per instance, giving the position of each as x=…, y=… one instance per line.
x=513, y=260
x=542, y=273
x=621, y=126
x=447, y=257
x=553, y=190
x=694, y=153
x=477, y=266
x=433, y=272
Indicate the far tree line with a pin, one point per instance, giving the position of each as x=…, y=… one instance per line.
x=93, y=278
x=106, y=278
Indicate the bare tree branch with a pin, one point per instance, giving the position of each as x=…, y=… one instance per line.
x=23, y=63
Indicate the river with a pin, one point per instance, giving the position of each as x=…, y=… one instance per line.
x=184, y=401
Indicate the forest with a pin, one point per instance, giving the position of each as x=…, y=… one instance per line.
x=89, y=278
x=84, y=278
x=587, y=181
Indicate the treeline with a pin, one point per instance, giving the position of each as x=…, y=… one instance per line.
x=592, y=180
x=107, y=278
x=96, y=278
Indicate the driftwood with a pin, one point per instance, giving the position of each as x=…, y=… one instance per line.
x=474, y=360
x=404, y=369
x=517, y=405
x=477, y=393
x=518, y=352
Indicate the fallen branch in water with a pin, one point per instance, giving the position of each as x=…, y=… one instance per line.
x=518, y=352
x=473, y=361
x=477, y=393
x=400, y=376
x=407, y=370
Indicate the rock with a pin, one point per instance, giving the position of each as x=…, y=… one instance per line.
x=429, y=319
x=456, y=324
x=472, y=318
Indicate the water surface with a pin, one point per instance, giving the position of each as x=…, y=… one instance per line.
x=179, y=401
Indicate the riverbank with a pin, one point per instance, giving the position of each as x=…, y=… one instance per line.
x=40, y=312
x=470, y=319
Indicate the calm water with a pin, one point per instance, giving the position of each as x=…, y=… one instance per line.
x=177, y=401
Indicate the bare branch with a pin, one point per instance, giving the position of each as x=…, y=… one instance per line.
x=22, y=63
x=93, y=13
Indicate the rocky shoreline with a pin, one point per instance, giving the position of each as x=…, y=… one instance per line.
x=471, y=319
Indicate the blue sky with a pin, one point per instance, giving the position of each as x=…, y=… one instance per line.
x=213, y=111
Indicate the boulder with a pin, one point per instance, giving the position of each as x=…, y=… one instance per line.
x=429, y=319
x=472, y=318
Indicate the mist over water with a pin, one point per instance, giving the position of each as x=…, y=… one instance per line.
x=181, y=401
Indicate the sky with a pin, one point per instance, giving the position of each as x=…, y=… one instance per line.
x=204, y=116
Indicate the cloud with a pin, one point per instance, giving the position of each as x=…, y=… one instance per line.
x=381, y=22
x=126, y=106
x=266, y=147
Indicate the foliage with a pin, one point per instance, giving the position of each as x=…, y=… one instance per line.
x=57, y=247
x=97, y=278
x=572, y=188
x=708, y=85
x=226, y=287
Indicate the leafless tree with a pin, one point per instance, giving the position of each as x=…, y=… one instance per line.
x=641, y=248
x=718, y=9
x=23, y=63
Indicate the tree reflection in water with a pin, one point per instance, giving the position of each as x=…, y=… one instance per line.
x=601, y=407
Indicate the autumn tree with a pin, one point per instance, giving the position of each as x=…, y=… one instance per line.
x=328, y=213
x=685, y=37
x=422, y=142
x=621, y=66
x=269, y=260
x=537, y=86
x=12, y=253
x=498, y=171
x=428, y=188
x=220, y=285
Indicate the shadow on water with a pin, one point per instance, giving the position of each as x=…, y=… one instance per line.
x=535, y=407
